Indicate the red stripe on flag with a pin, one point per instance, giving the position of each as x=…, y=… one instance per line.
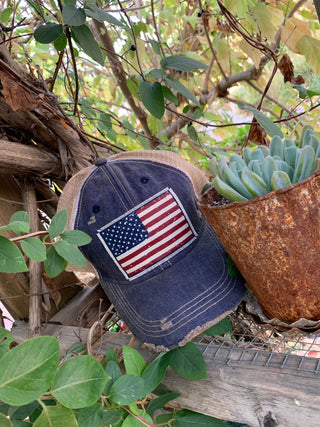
x=149, y=244
x=162, y=255
x=153, y=202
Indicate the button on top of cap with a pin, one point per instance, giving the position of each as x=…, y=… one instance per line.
x=101, y=162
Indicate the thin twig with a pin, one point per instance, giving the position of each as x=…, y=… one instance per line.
x=155, y=27
x=134, y=38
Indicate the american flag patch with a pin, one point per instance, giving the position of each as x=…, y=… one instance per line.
x=150, y=233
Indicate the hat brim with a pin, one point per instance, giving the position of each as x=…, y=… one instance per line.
x=194, y=293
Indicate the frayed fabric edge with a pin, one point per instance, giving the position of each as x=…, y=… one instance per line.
x=192, y=334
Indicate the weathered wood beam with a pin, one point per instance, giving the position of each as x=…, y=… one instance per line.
x=16, y=158
x=35, y=268
x=244, y=392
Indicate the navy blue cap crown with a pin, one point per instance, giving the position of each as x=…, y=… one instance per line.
x=158, y=260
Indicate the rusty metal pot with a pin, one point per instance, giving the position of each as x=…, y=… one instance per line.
x=274, y=241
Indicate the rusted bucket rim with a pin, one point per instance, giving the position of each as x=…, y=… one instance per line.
x=265, y=196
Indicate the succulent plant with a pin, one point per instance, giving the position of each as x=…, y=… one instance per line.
x=264, y=169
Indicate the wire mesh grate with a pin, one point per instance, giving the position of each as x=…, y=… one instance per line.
x=264, y=345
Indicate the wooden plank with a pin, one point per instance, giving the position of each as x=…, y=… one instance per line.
x=83, y=310
x=241, y=391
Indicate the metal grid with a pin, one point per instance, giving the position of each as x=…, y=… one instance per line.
x=264, y=345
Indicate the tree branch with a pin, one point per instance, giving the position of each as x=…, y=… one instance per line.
x=119, y=73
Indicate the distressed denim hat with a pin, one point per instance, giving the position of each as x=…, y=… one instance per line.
x=157, y=258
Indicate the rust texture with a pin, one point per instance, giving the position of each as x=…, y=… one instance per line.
x=275, y=242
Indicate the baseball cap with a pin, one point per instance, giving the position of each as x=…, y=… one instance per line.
x=157, y=258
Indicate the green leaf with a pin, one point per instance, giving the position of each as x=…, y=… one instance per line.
x=27, y=370
x=19, y=223
x=72, y=15
x=129, y=129
x=79, y=382
x=11, y=259
x=155, y=372
x=61, y=42
x=21, y=216
x=126, y=389
x=100, y=15
x=164, y=419
x=76, y=237
x=192, y=133
x=113, y=370
x=179, y=87
x=160, y=401
x=4, y=421
x=24, y=411
x=87, y=42
x=112, y=416
x=54, y=264
x=310, y=48
x=271, y=128
x=223, y=327
x=34, y=248
x=302, y=91
x=56, y=416
x=91, y=416
x=152, y=98
x=58, y=223
x=188, y=362
x=70, y=253
x=5, y=14
x=182, y=63
x=169, y=95
x=47, y=33
x=132, y=421
x=111, y=355
x=133, y=361
x=155, y=46
x=5, y=339
x=186, y=418
x=232, y=268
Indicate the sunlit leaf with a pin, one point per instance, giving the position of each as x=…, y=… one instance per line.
x=27, y=370
x=70, y=253
x=4, y=421
x=76, y=237
x=126, y=389
x=58, y=223
x=79, y=382
x=133, y=361
x=11, y=259
x=34, y=248
x=58, y=416
x=310, y=48
x=5, y=14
